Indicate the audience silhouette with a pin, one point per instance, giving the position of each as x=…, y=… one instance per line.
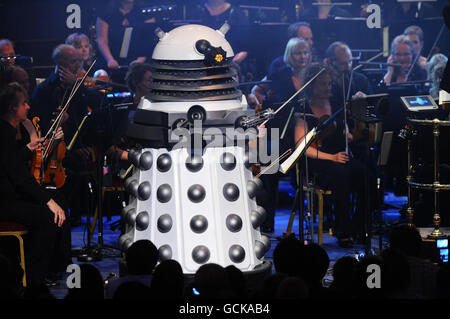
x=168, y=281
x=299, y=274
x=141, y=259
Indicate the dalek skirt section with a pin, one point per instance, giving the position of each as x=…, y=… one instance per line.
x=196, y=209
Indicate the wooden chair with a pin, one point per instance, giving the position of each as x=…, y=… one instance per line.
x=16, y=230
x=320, y=192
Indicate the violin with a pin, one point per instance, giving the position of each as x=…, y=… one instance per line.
x=91, y=82
x=46, y=166
x=54, y=172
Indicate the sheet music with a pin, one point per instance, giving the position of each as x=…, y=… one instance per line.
x=444, y=96
x=286, y=165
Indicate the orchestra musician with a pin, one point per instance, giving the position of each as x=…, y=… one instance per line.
x=332, y=166
x=81, y=42
x=47, y=98
x=22, y=200
x=7, y=49
x=26, y=139
x=55, y=91
x=402, y=52
x=415, y=35
x=285, y=82
x=445, y=82
x=436, y=68
x=302, y=30
x=138, y=79
x=339, y=60
x=288, y=79
x=111, y=26
x=324, y=11
x=214, y=13
x=15, y=73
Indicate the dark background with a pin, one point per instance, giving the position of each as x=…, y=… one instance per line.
x=37, y=26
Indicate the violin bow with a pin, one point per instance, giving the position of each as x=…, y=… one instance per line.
x=295, y=94
x=75, y=88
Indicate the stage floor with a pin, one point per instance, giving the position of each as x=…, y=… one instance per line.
x=109, y=265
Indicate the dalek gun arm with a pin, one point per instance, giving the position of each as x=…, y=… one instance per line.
x=254, y=121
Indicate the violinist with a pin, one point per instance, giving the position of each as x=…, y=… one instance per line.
x=22, y=200
x=47, y=99
x=402, y=52
x=415, y=35
x=331, y=165
x=286, y=81
x=338, y=58
x=54, y=92
x=82, y=44
x=15, y=73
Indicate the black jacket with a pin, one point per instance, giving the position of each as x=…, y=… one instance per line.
x=16, y=181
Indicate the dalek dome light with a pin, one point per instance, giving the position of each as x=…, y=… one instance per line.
x=180, y=43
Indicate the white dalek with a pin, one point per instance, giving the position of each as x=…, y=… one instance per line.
x=195, y=201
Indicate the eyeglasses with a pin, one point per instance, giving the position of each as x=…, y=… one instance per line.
x=402, y=54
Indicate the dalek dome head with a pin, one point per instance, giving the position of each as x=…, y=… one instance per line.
x=193, y=63
x=180, y=44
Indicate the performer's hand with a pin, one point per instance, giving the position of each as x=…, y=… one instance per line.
x=139, y=60
x=252, y=100
x=36, y=144
x=66, y=76
x=423, y=62
x=341, y=157
x=60, y=217
x=350, y=137
x=113, y=64
x=240, y=57
x=59, y=135
x=359, y=94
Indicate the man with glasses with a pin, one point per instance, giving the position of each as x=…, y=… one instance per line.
x=338, y=57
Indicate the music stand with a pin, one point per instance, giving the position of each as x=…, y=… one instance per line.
x=381, y=163
x=299, y=152
x=370, y=110
x=104, y=136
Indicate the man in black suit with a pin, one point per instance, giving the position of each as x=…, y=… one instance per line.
x=22, y=200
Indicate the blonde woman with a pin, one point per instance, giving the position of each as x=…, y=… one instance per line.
x=82, y=44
